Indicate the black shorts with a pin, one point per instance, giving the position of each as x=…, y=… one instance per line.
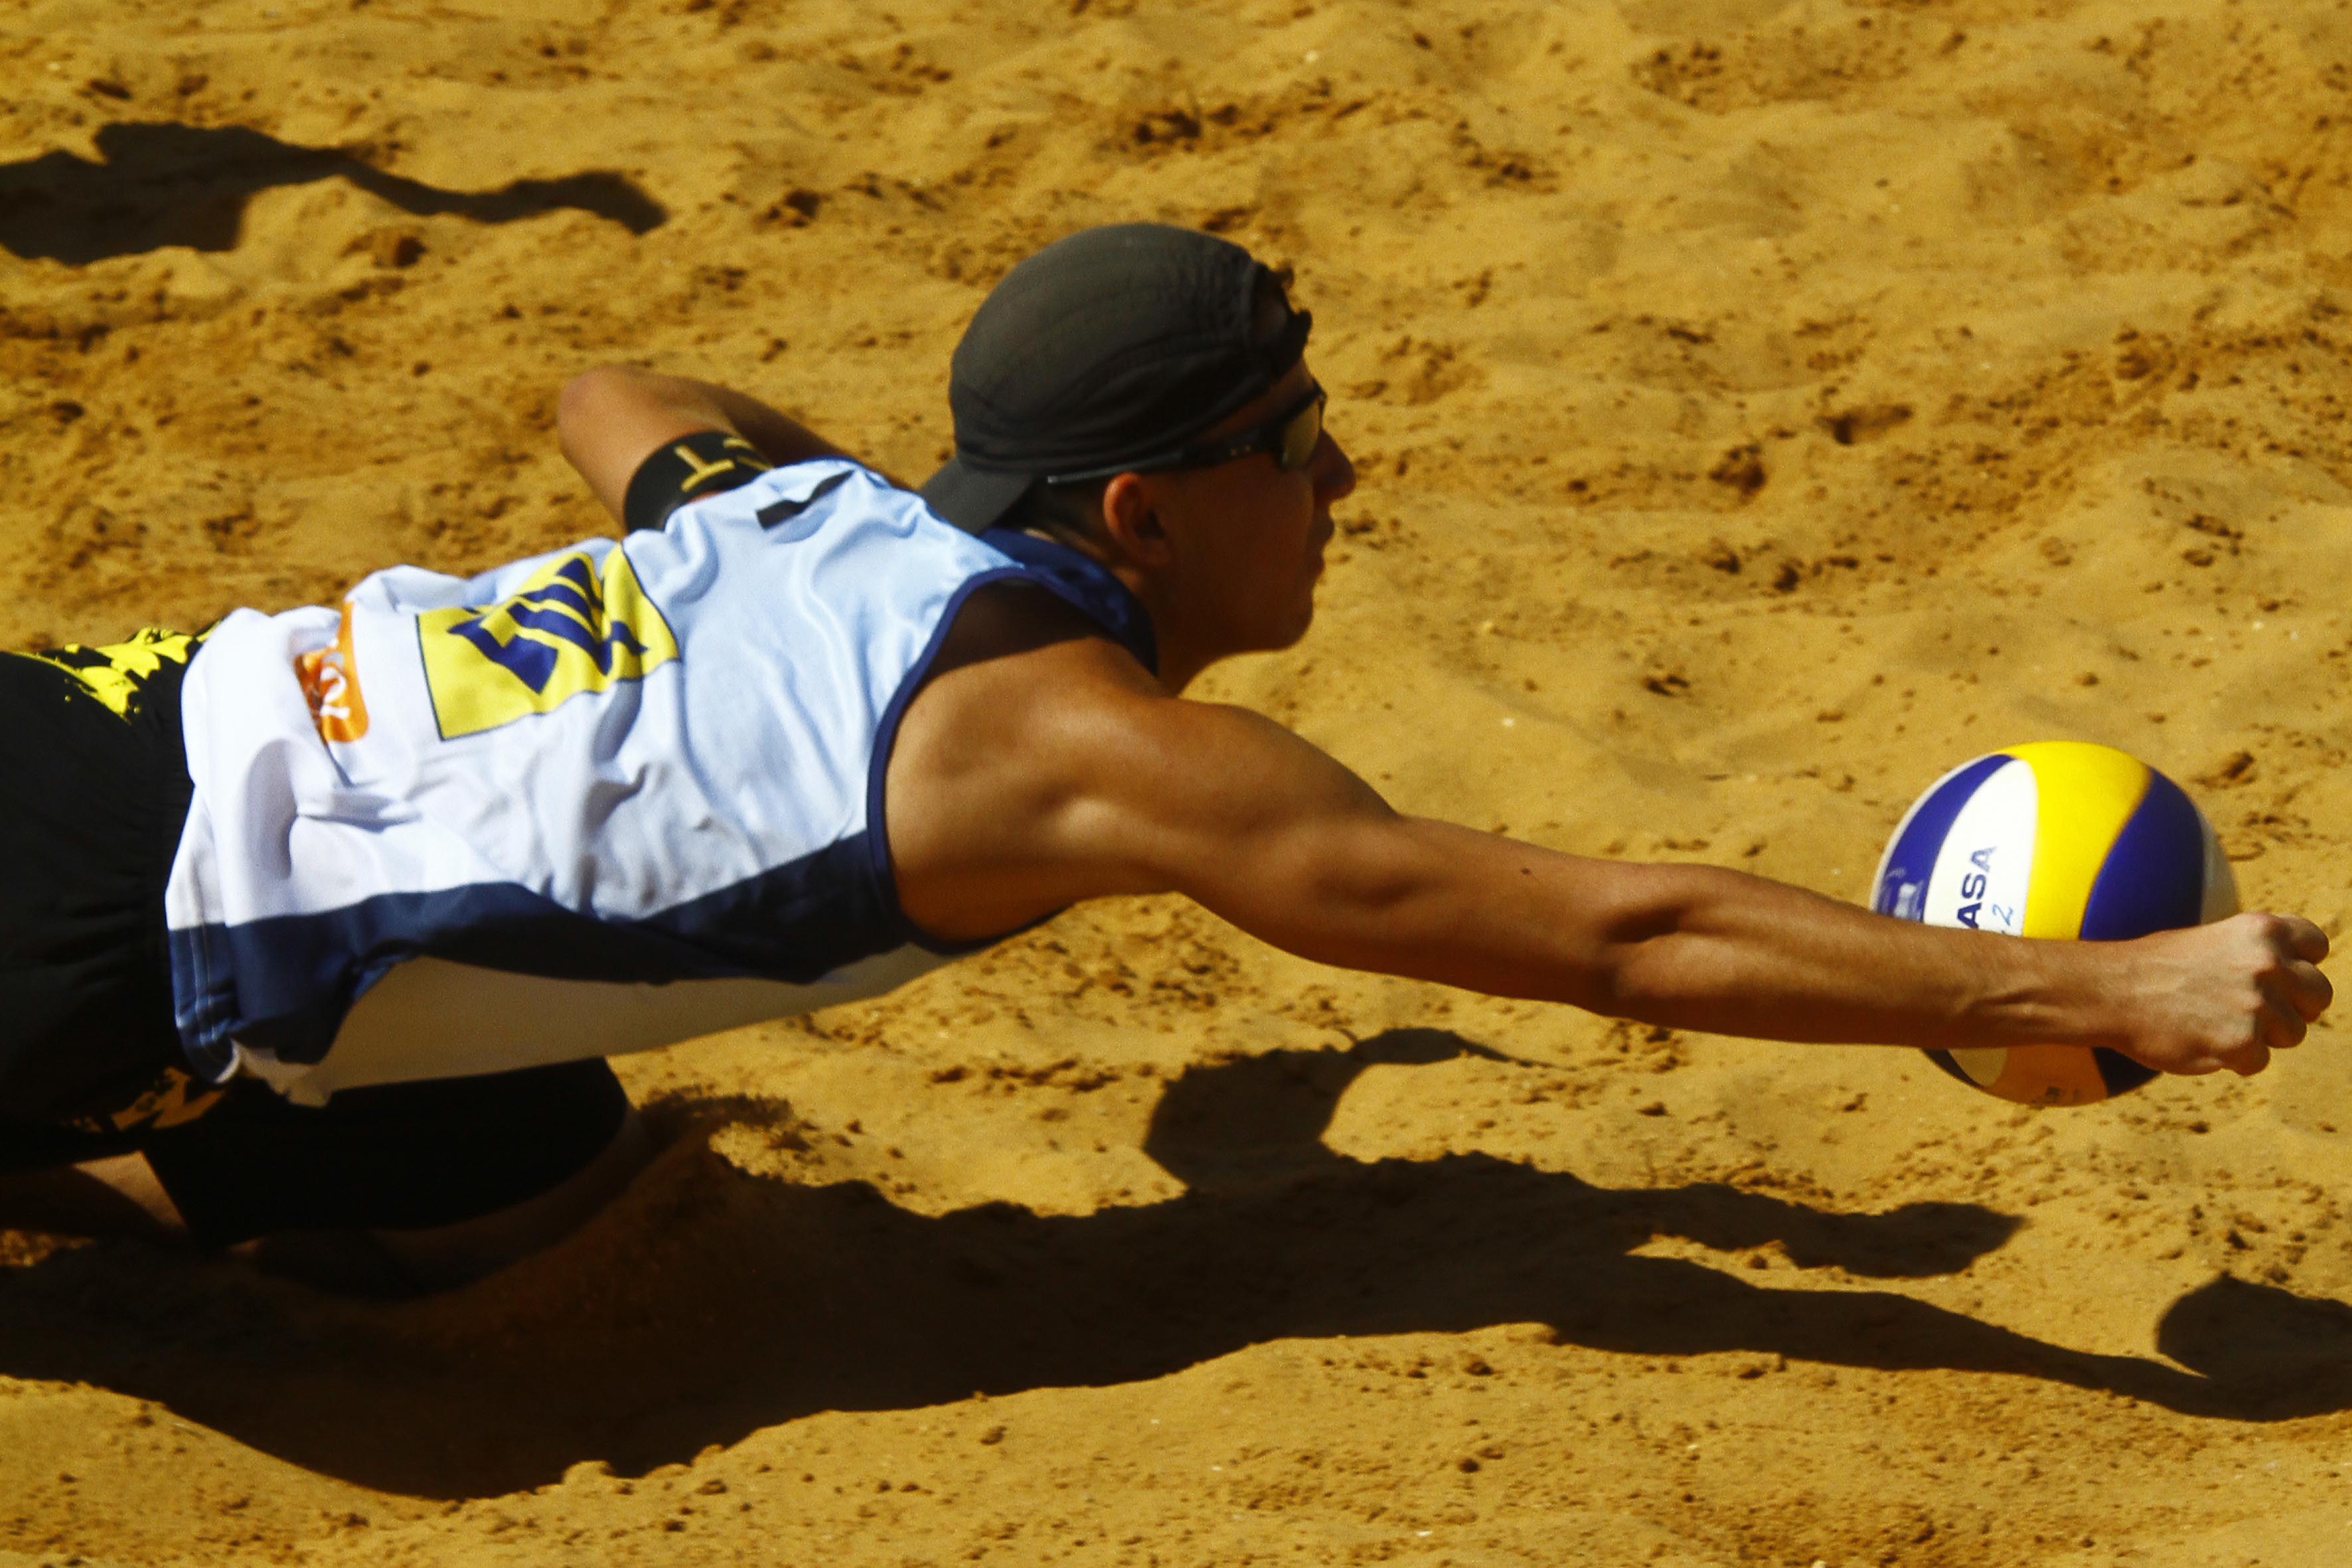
x=93, y=793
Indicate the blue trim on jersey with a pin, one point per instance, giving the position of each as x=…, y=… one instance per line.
x=878, y=868
x=1086, y=583
x=1078, y=579
x=296, y=976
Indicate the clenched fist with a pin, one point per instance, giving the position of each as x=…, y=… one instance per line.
x=2222, y=996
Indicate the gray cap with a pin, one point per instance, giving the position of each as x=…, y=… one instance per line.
x=1105, y=347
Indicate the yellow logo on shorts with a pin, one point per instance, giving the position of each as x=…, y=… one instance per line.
x=570, y=629
x=172, y=1099
x=115, y=672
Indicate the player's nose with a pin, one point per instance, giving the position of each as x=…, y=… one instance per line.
x=1335, y=474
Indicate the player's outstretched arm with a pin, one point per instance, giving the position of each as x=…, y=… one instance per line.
x=612, y=419
x=1261, y=827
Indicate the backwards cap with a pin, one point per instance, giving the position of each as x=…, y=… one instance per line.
x=1105, y=348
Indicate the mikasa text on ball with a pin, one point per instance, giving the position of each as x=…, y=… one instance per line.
x=2059, y=838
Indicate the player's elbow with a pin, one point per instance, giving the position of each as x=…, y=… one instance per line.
x=586, y=394
x=1337, y=891
x=575, y=407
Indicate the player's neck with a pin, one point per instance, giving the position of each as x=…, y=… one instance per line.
x=1184, y=646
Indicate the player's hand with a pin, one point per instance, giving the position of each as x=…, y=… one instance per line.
x=2226, y=995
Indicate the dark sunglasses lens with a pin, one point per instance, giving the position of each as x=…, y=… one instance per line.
x=1300, y=436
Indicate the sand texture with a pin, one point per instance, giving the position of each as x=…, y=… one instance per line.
x=1761, y=406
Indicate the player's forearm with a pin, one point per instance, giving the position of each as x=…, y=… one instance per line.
x=1692, y=947
x=1736, y=955
x=1282, y=841
x=610, y=417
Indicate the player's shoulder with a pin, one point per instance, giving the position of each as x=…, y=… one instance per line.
x=1029, y=647
x=1027, y=681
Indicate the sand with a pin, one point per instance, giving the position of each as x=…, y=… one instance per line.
x=1760, y=408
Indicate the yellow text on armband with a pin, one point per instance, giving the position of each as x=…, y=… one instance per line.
x=700, y=472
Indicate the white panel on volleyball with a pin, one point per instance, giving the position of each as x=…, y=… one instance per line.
x=2221, y=882
x=1986, y=862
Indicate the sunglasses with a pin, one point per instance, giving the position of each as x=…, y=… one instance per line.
x=1290, y=437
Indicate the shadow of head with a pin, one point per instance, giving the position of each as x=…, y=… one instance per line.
x=2280, y=1353
x=1237, y=1116
x=165, y=183
x=1916, y=1241
x=1244, y=1121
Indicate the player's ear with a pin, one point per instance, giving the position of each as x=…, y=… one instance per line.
x=1132, y=521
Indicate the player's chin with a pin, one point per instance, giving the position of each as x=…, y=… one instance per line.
x=1303, y=607
x=1279, y=632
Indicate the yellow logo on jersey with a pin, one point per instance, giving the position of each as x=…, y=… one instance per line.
x=570, y=629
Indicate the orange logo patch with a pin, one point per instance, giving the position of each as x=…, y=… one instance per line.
x=330, y=684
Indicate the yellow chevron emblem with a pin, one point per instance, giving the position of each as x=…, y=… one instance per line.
x=573, y=628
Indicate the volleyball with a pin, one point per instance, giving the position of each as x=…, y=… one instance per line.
x=2058, y=838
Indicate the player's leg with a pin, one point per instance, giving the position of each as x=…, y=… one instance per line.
x=405, y=1185
x=404, y=1188
x=92, y=795
x=116, y=1196
x=103, y=1131
x=469, y=1248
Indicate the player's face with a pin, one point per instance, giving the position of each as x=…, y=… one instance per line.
x=1249, y=535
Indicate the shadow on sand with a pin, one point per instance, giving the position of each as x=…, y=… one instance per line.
x=164, y=184
x=709, y=1304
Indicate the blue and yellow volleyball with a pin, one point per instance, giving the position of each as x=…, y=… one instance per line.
x=2058, y=838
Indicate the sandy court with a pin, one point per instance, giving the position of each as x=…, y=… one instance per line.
x=1760, y=408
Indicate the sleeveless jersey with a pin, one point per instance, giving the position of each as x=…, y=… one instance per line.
x=596, y=801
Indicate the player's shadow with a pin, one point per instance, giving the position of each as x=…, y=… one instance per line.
x=709, y=1304
x=162, y=183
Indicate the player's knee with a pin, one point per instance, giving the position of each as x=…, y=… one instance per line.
x=449, y=1255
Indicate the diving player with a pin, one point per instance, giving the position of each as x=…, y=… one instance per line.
x=325, y=921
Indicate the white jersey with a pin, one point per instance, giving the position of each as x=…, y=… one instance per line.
x=599, y=800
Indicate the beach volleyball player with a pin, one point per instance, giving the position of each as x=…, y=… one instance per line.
x=323, y=922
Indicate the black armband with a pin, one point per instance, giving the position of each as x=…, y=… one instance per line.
x=688, y=469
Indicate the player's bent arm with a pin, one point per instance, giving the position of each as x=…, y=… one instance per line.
x=1266, y=831
x=612, y=419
